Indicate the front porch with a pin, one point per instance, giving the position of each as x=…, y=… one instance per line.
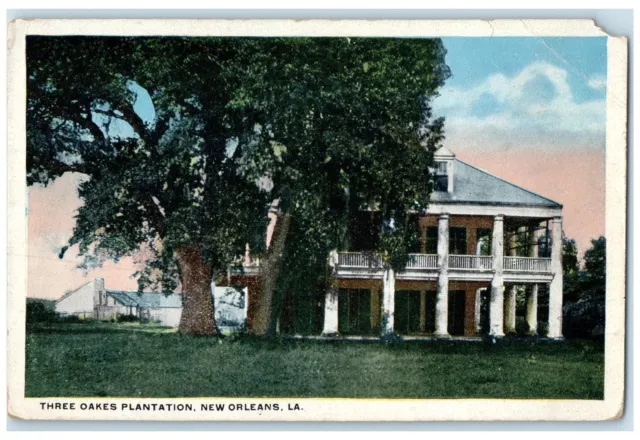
x=461, y=256
x=358, y=308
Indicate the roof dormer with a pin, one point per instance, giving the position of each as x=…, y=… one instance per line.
x=443, y=161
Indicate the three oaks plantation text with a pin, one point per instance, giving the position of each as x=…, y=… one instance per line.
x=169, y=407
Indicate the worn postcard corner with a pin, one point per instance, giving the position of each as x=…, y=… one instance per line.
x=317, y=220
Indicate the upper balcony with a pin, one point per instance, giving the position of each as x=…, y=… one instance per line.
x=366, y=265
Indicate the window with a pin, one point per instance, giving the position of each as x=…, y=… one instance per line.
x=483, y=246
x=431, y=245
x=407, y=312
x=544, y=250
x=455, y=317
x=354, y=311
x=302, y=312
x=441, y=181
x=458, y=241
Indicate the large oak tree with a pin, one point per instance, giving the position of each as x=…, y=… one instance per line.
x=351, y=121
x=167, y=181
x=326, y=126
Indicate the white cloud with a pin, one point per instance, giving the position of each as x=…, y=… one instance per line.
x=598, y=82
x=536, y=104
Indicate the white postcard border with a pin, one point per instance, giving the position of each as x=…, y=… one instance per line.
x=323, y=409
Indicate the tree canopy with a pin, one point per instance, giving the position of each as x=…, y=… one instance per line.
x=327, y=126
x=585, y=291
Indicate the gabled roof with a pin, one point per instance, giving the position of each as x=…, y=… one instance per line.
x=149, y=300
x=71, y=292
x=473, y=185
x=444, y=152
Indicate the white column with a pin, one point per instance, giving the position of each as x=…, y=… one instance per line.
x=510, y=310
x=496, y=305
x=555, y=289
x=442, y=297
x=532, y=310
x=331, y=312
x=388, y=301
x=510, y=297
x=532, y=291
x=478, y=309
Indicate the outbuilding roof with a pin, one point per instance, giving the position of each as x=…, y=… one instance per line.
x=148, y=300
x=474, y=185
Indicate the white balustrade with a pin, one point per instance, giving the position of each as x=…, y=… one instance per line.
x=358, y=259
x=527, y=264
x=470, y=262
x=458, y=262
x=422, y=261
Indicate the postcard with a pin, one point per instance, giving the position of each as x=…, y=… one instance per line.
x=316, y=220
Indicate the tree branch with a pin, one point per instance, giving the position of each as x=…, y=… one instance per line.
x=156, y=216
x=87, y=123
x=57, y=166
x=136, y=122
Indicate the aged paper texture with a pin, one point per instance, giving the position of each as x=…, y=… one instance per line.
x=316, y=220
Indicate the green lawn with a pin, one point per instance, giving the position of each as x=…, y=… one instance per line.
x=130, y=360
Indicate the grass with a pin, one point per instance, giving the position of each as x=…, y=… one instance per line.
x=133, y=360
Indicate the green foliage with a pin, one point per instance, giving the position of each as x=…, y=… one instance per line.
x=349, y=125
x=73, y=319
x=155, y=184
x=330, y=125
x=595, y=264
x=39, y=311
x=352, y=123
x=585, y=293
x=584, y=317
x=126, y=318
x=569, y=255
x=571, y=273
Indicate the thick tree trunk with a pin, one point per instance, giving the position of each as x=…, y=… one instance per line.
x=197, y=311
x=263, y=316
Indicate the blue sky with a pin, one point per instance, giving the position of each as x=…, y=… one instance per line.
x=512, y=91
x=474, y=59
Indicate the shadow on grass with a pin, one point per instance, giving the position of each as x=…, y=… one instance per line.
x=485, y=345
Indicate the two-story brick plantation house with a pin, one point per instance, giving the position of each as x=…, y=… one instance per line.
x=483, y=242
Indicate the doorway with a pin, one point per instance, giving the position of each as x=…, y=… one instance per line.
x=457, y=304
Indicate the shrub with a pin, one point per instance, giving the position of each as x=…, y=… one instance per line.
x=584, y=318
x=126, y=318
x=522, y=326
x=70, y=319
x=38, y=312
x=543, y=328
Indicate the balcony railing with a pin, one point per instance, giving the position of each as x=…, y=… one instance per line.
x=358, y=259
x=470, y=262
x=422, y=261
x=363, y=260
x=527, y=264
